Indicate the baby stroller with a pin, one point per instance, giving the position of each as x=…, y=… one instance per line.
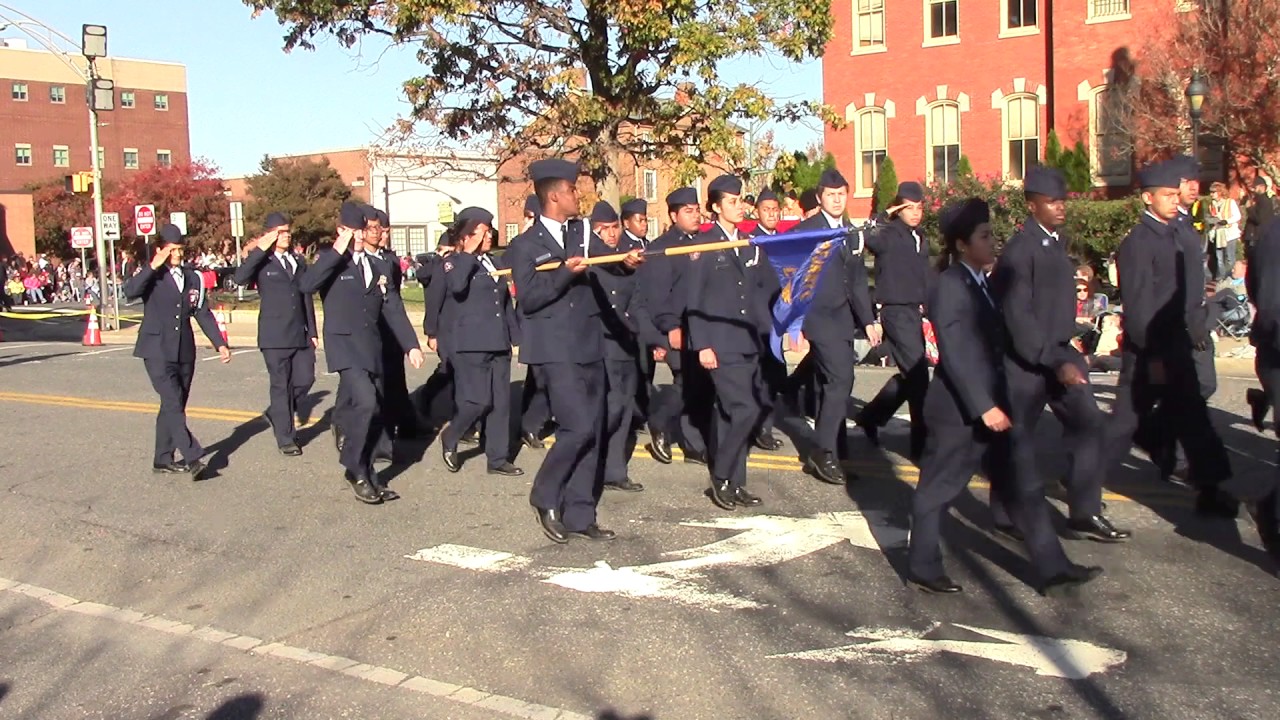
x=1233, y=314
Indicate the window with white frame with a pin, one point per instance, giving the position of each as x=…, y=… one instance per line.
x=868, y=25
x=22, y=154
x=1021, y=14
x=873, y=146
x=57, y=94
x=164, y=158
x=649, y=188
x=20, y=91
x=942, y=20
x=943, y=137
x=512, y=230
x=1022, y=135
x=131, y=158
x=162, y=101
x=61, y=156
x=1101, y=9
x=417, y=240
x=127, y=99
x=651, y=228
x=1108, y=151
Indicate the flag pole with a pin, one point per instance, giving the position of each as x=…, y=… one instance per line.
x=619, y=257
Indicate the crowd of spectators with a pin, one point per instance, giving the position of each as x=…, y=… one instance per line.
x=41, y=280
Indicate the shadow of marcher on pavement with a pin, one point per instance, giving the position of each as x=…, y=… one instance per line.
x=242, y=707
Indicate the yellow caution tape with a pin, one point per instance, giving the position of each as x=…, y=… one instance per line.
x=52, y=316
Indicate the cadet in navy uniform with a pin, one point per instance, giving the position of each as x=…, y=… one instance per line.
x=171, y=296
x=678, y=413
x=1263, y=283
x=635, y=229
x=1036, y=276
x=615, y=292
x=902, y=288
x=399, y=419
x=1156, y=361
x=436, y=394
x=725, y=325
x=353, y=285
x=841, y=305
x=535, y=409
x=966, y=413
x=562, y=337
x=287, y=333
x=773, y=371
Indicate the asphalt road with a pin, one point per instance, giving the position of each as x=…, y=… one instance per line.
x=269, y=591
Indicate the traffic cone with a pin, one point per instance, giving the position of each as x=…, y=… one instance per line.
x=221, y=317
x=92, y=334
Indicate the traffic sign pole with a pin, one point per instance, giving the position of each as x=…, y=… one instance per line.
x=237, y=230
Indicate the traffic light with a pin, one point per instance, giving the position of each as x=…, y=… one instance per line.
x=80, y=182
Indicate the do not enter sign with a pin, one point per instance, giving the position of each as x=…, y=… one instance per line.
x=81, y=237
x=144, y=219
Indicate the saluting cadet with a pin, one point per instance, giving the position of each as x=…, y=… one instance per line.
x=1156, y=363
x=841, y=305
x=1263, y=283
x=353, y=285
x=399, y=419
x=902, y=289
x=1037, y=277
x=966, y=414
x=484, y=332
x=287, y=333
x=172, y=294
x=725, y=325
x=680, y=412
x=562, y=336
x=773, y=371
x=615, y=291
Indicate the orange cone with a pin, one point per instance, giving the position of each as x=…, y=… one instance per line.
x=221, y=317
x=92, y=333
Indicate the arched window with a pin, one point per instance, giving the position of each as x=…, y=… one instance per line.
x=871, y=127
x=942, y=139
x=1022, y=135
x=1108, y=149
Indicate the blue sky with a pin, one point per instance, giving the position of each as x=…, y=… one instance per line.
x=249, y=98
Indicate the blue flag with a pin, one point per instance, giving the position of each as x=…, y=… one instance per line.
x=798, y=257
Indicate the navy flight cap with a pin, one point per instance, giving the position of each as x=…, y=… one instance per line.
x=351, y=215
x=911, y=191
x=553, y=169
x=831, y=179
x=681, y=197
x=727, y=184
x=766, y=194
x=382, y=217
x=603, y=212
x=961, y=218
x=1046, y=181
x=171, y=235
x=479, y=215
x=275, y=220
x=635, y=207
x=532, y=206
x=1188, y=166
x=1160, y=175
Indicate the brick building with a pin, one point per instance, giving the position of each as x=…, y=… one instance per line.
x=927, y=81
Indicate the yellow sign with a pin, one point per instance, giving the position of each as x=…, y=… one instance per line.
x=445, y=211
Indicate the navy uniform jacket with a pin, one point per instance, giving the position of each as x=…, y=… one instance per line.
x=287, y=316
x=481, y=314
x=661, y=281
x=725, y=310
x=560, y=316
x=1262, y=281
x=166, y=314
x=842, y=301
x=902, y=271
x=437, y=321
x=627, y=325
x=1152, y=287
x=352, y=311
x=1036, y=279
x=969, y=379
x=768, y=287
x=1192, y=246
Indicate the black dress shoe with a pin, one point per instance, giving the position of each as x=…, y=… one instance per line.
x=532, y=441
x=1257, y=400
x=339, y=439
x=197, y=470
x=1060, y=585
x=826, y=468
x=695, y=458
x=941, y=585
x=626, y=486
x=659, y=446
x=722, y=494
x=1214, y=504
x=506, y=469
x=470, y=438
x=767, y=441
x=170, y=468
x=1099, y=529
x=450, y=457
x=549, y=521
x=291, y=450
x=1010, y=531
x=385, y=492
x=594, y=532
x=363, y=488
x=745, y=499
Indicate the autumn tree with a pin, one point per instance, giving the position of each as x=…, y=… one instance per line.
x=800, y=171
x=56, y=212
x=193, y=188
x=592, y=78
x=1235, y=45
x=309, y=191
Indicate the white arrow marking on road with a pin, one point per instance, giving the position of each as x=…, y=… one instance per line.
x=1070, y=659
x=765, y=540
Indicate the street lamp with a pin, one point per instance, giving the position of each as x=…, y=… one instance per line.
x=1196, y=90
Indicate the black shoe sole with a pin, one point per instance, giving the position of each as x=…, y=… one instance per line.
x=1092, y=537
x=664, y=459
x=503, y=473
x=562, y=540
x=931, y=591
x=813, y=470
x=729, y=505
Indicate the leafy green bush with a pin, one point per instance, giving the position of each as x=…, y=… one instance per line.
x=886, y=185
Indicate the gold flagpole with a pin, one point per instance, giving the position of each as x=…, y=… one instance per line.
x=619, y=257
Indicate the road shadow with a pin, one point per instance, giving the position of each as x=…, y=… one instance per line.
x=243, y=707
x=11, y=360
x=615, y=715
x=220, y=453
x=4, y=690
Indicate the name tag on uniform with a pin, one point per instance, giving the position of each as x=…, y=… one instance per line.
x=542, y=258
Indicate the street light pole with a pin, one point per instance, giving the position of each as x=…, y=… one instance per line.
x=1196, y=91
x=99, y=243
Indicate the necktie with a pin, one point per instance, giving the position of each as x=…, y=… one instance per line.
x=564, y=237
x=364, y=268
x=982, y=283
x=487, y=263
x=287, y=262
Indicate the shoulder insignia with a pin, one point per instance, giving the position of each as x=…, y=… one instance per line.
x=694, y=256
x=448, y=265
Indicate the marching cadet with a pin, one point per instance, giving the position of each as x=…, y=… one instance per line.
x=562, y=336
x=966, y=414
x=287, y=332
x=531, y=210
x=172, y=294
x=436, y=394
x=484, y=332
x=1263, y=283
x=615, y=292
x=635, y=222
x=725, y=325
x=635, y=228
x=353, y=286
x=773, y=371
x=678, y=413
x=1036, y=276
x=399, y=419
x=841, y=305
x=902, y=289
x=1156, y=362
x=535, y=408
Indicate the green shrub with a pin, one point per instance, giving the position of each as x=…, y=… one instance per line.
x=886, y=185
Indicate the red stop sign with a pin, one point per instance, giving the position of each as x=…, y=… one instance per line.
x=144, y=219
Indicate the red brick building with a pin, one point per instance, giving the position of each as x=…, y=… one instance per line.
x=927, y=81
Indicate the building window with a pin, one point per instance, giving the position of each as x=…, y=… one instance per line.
x=164, y=158
x=650, y=188
x=1022, y=133
x=127, y=99
x=162, y=101
x=1021, y=14
x=873, y=147
x=1108, y=9
x=130, y=158
x=417, y=240
x=942, y=20
x=20, y=91
x=22, y=154
x=944, y=141
x=868, y=25
x=1108, y=152
x=651, y=228
x=512, y=230
x=57, y=94
x=61, y=156
x=400, y=240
